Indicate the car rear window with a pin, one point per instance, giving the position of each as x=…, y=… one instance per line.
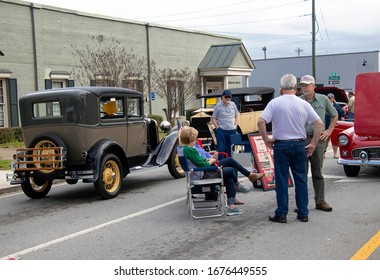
x=50, y=109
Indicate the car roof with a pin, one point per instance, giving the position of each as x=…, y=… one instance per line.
x=241, y=92
x=93, y=89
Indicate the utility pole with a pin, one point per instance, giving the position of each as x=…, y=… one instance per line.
x=313, y=38
x=299, y=50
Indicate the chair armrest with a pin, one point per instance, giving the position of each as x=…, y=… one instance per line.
x=208, y=168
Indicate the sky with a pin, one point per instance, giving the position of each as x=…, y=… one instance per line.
x=282, y=27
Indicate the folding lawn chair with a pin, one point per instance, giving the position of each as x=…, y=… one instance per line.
x=205, y=197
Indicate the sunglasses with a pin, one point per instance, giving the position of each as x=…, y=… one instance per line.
x=227, y=97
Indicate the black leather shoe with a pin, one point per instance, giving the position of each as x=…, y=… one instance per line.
x=278, y=219
x=303, y=219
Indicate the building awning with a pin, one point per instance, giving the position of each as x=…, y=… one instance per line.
x=59, y=75
x=5, y=73
x=226, y=60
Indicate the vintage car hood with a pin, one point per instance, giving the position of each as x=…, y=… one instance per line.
x=367, y=101
x=361, y=140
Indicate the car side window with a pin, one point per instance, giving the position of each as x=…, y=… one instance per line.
x=111, y=107
x=133, y=107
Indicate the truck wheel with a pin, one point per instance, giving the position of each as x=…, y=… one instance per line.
x=47, y=170
x=174, y=166
x=351, y=170
x=108, y=184
x=35, y=187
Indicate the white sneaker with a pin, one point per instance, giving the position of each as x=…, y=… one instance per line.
x=234, y=211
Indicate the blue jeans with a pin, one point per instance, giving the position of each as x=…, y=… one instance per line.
x=223, y=140
x=230, y=162
x=229, y=180
x=291, y=155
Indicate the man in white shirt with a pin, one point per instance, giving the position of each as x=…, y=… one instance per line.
x=288, y=115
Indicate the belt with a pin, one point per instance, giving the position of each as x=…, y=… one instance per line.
x=289, y=140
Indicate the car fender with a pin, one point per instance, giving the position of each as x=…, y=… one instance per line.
x=102, y=147
x=166, y=146
x=339, y=127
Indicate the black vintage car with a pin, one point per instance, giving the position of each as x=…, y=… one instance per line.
x=250, y=102
x=93, y=134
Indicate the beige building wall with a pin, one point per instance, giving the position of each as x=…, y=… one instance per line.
x=38, y=39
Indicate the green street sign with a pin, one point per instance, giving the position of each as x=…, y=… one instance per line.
x=334, y=78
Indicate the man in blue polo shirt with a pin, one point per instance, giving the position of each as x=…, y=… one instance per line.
x=225, y=119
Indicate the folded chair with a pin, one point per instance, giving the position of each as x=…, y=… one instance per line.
x=205, y=197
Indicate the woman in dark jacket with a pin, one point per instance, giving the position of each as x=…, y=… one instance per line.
x=340, y=111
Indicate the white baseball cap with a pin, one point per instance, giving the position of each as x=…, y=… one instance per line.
x=307, y=79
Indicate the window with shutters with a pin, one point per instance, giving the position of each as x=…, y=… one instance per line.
x=135, y=84
x=58, y=83
x=2, y=103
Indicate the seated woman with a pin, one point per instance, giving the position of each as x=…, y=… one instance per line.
x=188, y=137
x=230, y=162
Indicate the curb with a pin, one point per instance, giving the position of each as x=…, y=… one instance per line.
x=10, y=189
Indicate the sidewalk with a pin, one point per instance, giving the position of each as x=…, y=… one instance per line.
x=5, y=187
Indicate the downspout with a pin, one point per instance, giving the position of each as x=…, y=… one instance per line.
x=34, y=47
x=149, y=69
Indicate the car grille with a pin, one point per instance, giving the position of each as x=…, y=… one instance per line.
x=373, y=153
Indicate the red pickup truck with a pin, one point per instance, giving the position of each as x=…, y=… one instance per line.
x=359, y=141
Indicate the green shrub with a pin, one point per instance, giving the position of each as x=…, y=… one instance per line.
x=189, y=113
x=158, y=118
x=11, y=135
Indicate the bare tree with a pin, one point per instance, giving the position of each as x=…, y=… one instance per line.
x=176, y=87
x=108, y=63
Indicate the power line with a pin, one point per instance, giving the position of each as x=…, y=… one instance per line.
x=245, y=22
x=197, y=11
x=218, y=15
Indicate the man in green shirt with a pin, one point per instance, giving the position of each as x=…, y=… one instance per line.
x=322, y=106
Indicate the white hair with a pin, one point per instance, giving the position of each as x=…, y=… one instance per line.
x=288, y=81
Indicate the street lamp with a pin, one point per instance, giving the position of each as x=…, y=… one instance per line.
x=265, y=52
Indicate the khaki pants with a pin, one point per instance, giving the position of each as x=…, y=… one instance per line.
x=316, y=164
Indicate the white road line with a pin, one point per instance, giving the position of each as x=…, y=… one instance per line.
x=85, y=231
x=358, y=180
x=5, y=195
